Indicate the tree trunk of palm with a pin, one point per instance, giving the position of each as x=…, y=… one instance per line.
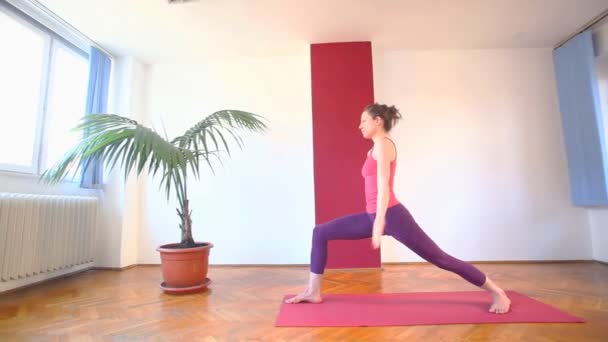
x=186, y=226
x=185, y=216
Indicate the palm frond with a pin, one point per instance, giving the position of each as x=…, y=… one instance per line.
x=213, y=128
x=111, y=138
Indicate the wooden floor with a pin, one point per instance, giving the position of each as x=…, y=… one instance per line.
x=243, y=302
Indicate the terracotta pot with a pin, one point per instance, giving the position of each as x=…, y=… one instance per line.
x=184, y=269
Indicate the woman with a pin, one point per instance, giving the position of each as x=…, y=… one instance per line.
x=385, y=215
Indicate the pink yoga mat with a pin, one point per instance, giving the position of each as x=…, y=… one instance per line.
x=416, y=308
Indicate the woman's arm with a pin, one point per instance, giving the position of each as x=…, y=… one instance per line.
x=384, y=155
x=383, y=160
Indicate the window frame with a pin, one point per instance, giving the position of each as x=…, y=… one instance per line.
x=51, y=40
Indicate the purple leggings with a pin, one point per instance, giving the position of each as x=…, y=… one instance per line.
x=400, y=225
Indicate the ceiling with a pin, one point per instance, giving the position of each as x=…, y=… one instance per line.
x=155, y=31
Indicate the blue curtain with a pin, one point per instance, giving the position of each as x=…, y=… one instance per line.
x=582, y=122
x=97, y=102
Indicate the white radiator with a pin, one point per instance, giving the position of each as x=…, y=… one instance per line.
x=44, y=234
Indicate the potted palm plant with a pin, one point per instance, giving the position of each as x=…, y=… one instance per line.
x=113, y=139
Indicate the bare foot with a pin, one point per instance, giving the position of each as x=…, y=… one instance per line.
x=306, y=296
x=501, y=303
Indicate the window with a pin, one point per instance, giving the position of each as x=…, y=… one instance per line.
x=43, y=88
x=65, y=102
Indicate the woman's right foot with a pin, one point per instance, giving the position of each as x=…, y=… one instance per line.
x=501, y=303
x=306, y=296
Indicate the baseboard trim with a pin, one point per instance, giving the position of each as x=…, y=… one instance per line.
x=9, y=288
x=99, y=268
x=259, y=265
x=498, y=262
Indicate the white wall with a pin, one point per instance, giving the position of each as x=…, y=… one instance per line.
x=118, y=224
x=481, y=161
x=129, y=95
x=598, y=217
x=259, y=207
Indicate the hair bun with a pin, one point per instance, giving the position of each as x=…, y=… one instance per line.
x=390, y=115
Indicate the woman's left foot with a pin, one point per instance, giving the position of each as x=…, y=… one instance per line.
x=501, y=303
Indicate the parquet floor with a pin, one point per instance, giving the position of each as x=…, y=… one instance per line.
x=243, y=302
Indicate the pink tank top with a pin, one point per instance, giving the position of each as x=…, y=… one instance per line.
x=369, y=173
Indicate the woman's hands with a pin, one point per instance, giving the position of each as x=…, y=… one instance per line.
x=377, y=232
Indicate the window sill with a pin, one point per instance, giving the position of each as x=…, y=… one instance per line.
x=68, y=185
x=29, y=175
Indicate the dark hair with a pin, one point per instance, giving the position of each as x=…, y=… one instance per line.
x=389, y=115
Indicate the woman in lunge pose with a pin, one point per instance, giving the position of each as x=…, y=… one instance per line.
x=385, y=215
